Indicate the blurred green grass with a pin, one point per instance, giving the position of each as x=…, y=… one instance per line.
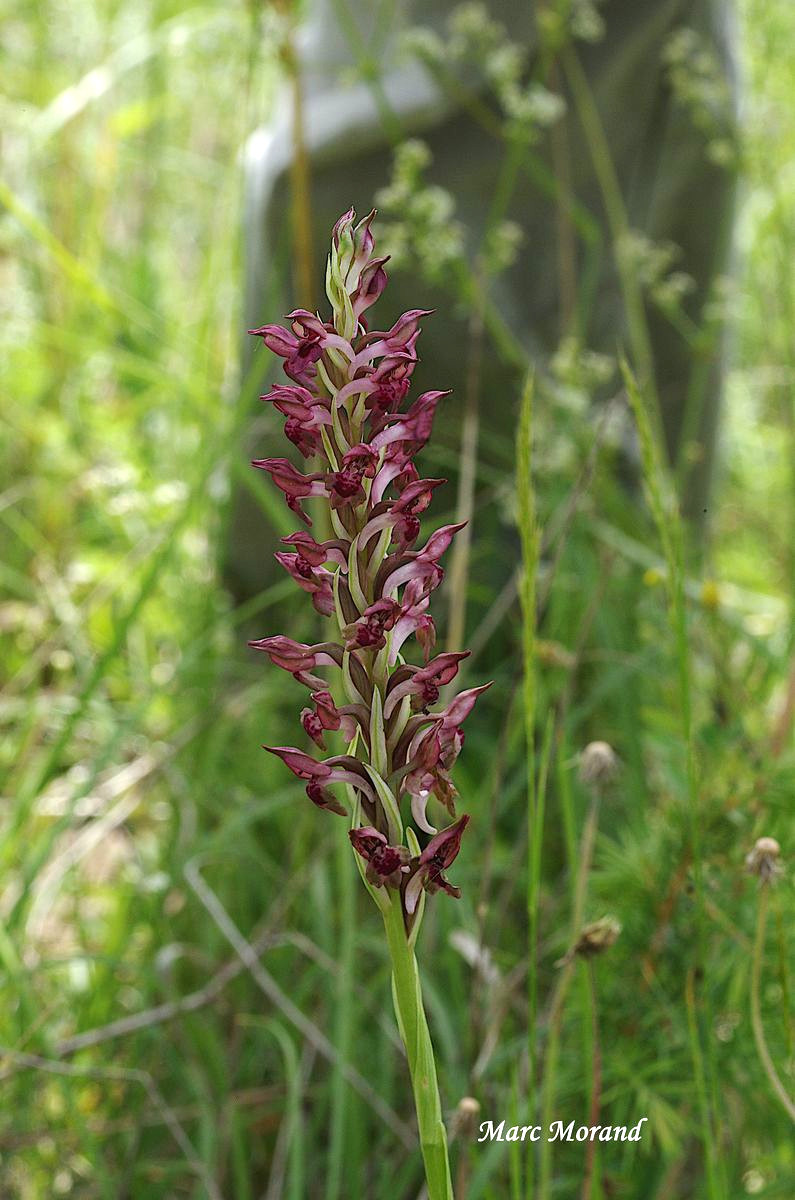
x=132, y=718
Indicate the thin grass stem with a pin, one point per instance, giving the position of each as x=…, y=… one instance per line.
x=667, y=519
x=760, y=1040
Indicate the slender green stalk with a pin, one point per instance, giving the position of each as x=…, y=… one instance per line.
x=515, y=1149
x=528, y=532
x=413, y=1025
x=566, y=801
x=344, y=1022
x=587, y=845
x=468, y=461
x=534, y=889
x=293, y=1113
x=756, y=1007
x=783, y=975
x=300, y=181
x=667, y=519
x=617, y=219
x=591, y=1173
x=700, y=1080
x=478, y=289
x=580, y=892
x=550, y=1074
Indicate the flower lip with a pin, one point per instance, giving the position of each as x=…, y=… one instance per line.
x=429, y=867
x=376, y=620
x=385, y=864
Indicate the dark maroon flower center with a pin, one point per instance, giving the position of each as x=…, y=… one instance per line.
x=384, y=860
x=409, y=529
x=317, y=794
x=313, y=725
x=308, y=348
x=389, y=395
x=347, y=482
x=370, y=634
x=303, y=567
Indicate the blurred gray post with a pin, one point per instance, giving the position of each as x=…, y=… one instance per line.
x=670, y=188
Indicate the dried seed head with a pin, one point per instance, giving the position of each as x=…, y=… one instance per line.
x=598, y=763
x=598, y=936
x=465, y=1118
x=763, y=859
x=553, y=654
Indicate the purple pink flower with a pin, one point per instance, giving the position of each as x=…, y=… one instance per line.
x=347, y=414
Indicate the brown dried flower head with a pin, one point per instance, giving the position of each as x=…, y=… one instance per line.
x=598, y=936
x=465, y=1118
x=763, y=859
x=598, y=764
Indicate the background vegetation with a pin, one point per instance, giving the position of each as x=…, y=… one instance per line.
x=193, y=990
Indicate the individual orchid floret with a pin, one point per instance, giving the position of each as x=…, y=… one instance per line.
x=423, y=683
x=376, y=345
x=342, y=768
x=427, y=777
x=317, y=553
x=316, y=581
x=451, y=735
x=305, y=416
x=325, y=716
x=430, y=747
x=392, y=379
x=428, y=870
x=412, y=430
x=296, y=487
x=345, y=485
x=372, y=282
x=413, y=500
x=296, y=657
x=369, y=632
x=414, y=619
x=419, y=565
x=300, y=348
x=386, y=865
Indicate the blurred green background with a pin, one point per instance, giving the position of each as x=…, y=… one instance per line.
x=194, y=995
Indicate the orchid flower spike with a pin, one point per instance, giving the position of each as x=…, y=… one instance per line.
x=347, y=414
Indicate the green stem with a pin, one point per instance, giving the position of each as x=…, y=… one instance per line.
x=580, y=895
x=413, y=1025
x=550, y=1074
x=341, y=1122
x=667, y=518
x=530, y=540
x=618, y=222
x=756, y=1007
